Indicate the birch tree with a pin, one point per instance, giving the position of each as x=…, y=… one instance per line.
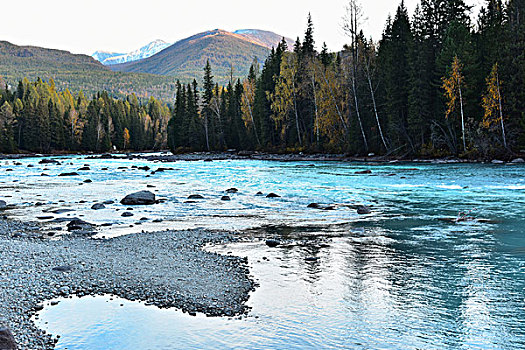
x=351, y=26
x=453, y=92
x=369, y=57
x=284, y=99
x=248, y=101
x=492, y=104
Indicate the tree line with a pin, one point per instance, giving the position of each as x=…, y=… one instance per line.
x=38, y=118
x=437, y=83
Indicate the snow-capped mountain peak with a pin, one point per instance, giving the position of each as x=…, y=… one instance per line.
x=146, y=51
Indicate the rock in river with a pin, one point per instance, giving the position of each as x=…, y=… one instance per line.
x=3, y=205
x=68, y=174
x=232, y=190
x=320, y=206
x=273, y=195
x=139, y=198
x=48, y=161
x=195, y=196
x=272, y=243
x=225, y=198
x=363, y=210
x=98, y=206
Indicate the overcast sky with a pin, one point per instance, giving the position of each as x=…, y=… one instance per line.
x=84, y=26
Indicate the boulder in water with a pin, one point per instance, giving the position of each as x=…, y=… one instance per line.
x=98, y=206
x=139, y=198
x=363, y=210
x=273, y=195
x=320, y=206
x=195, y=196
x=48, y=161
x=272, y=243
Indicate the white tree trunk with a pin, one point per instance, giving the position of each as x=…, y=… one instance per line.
x=375, y=108
x=251, y=117
x=462, y=117
x=296, y=115
x=501, y=114
x=357, y=112
x=316, y=110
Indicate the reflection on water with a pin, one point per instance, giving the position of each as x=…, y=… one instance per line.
x=371, y=288
x=400, y=278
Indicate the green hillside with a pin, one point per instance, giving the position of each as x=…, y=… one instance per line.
x=186, y=59
x=77, y=72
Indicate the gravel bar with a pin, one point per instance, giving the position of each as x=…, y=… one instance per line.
x=167, y=269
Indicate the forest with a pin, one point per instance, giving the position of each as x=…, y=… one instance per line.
x=437, y=83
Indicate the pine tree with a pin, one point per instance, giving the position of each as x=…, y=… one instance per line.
x=308, y=45
x=206, y=102
x=394, y=63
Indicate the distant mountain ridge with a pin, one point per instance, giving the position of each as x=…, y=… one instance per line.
x=264, y=37
x=110, y=58
x=77, y=72
x=225, y=50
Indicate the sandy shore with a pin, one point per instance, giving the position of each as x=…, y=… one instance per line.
x=167, y=269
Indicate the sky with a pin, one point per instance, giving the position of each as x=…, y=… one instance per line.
x=85, y=26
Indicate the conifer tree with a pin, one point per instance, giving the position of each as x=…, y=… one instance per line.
x=206, y=102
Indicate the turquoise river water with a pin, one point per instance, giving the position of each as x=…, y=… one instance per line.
x=407, y=276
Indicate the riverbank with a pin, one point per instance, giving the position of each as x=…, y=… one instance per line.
x=166, y=156
x=166, y=269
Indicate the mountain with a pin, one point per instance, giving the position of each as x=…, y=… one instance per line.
x=263, y=37
x=101, y=56
x=77, y=72
x=186, y=59
x=146, y=51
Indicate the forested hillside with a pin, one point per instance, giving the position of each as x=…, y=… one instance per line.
x=435, y=85
x=77, y=72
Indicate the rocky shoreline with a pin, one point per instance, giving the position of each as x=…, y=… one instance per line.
x=166, y=269
x=166, y=156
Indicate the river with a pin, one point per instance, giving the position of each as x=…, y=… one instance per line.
x=405, y=276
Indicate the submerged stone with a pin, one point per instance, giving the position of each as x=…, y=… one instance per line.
x=363, y=210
